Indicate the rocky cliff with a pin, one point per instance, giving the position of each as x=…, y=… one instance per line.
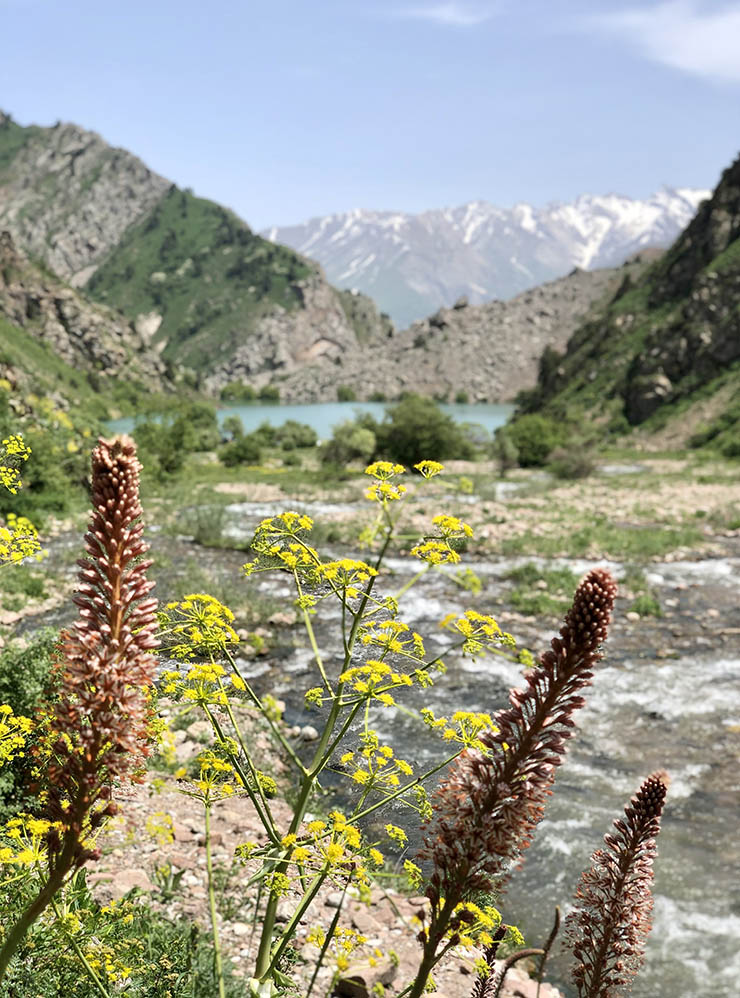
x=668, y=339
x=68, y=197
x=92, y=339
x=486, y=353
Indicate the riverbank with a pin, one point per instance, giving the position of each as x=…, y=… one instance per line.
x=666, y=695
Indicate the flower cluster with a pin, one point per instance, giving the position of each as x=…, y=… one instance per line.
x=19, y=540
x=384, y=489
x=279, y=542
x=611, y=919
x=464, y=726
x=480, y=631
x=199, y=625
x=99, y=731
x=13, y=731
x=487, y=808
x=28, y=836
x=13, y=452
x=375, y=766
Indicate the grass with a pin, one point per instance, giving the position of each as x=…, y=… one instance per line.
x=213, y=277
x=602, y=539
x=540, y=591
x=12, y=139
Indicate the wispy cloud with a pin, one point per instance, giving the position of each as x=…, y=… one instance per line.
x=451, y=14
x=689, y=35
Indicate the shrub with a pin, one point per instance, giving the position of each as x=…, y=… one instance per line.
x=269, y=393
x=572, y=462
x=238, y=391
x=292, y=435
x=350, y=441
x=242, y=450
x=504, y=451
x=345, y=393
x=26, y=682
x=416, y=429
x=233, y=427
x=534, y=437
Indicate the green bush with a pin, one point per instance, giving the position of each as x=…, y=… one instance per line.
x=238, y=391
x=269, y=393
x=232, y=426
x=292, y=435
x=242, y=450
x=26, y=681
x=572, y=462
x=504, y=451
x=416, y=429
x=350, y=441
x=535, y=437
x=345, y=393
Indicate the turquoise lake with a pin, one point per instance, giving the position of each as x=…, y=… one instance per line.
x=323, y=416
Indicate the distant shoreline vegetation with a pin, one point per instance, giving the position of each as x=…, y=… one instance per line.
x=323, y=416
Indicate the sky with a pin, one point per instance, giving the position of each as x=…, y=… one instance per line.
x=288, y=109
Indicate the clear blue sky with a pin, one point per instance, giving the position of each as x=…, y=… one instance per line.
x=286, y=109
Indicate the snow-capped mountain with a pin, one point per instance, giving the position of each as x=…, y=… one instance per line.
x=413, y=264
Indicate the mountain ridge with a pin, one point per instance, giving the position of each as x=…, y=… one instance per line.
x=412, y=264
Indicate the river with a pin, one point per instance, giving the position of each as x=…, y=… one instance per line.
x=667, y=695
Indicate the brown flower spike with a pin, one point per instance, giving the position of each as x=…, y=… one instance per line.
x=100, y=724
x=611, y=919
x=99, y=730
x=488, y=807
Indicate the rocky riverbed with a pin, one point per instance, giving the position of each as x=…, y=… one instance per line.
x=667, y=695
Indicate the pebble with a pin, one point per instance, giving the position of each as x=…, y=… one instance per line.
x=632, y=616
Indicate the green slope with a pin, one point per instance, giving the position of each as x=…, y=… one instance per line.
x=665, y=345
x=204, y=271
x=12, y=139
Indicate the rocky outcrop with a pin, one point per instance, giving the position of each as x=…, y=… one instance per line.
x=486, y=353
x=285, y=341
x=67, y=196
x=88, y=337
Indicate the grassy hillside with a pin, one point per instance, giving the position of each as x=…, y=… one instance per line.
x=203, y=271
x=666, y=347
x=12, y=138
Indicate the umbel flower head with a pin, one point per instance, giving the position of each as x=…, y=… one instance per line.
x=99, y=731
x=486, y=810
x=611, y=919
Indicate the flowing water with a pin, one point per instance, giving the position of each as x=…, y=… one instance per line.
x=681, y=713
x=651, y=706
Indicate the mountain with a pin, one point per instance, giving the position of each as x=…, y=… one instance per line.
x=667, y=347
x=96, y=341
x=413, y=264
x=484, y=353
x=215, y=300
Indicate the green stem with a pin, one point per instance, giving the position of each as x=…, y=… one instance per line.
x=288, y=748
x=329, y=936
x=356, y=815
x=39, y=904
x=321, y=757
x=290, y=928
x=256, y=796
x=80, y=955
x=212, y=906
x=412, y=581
